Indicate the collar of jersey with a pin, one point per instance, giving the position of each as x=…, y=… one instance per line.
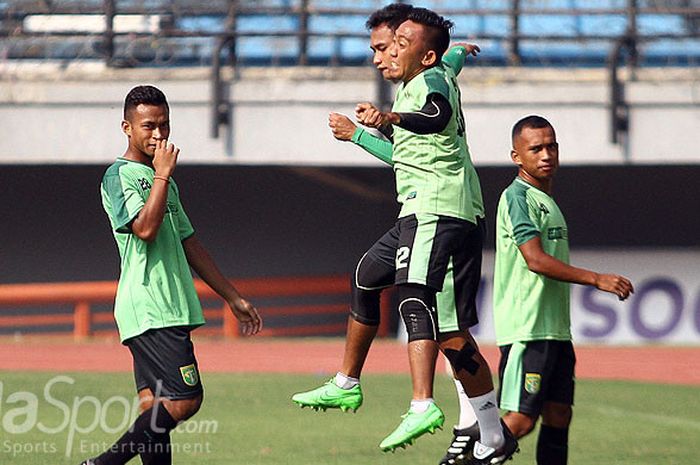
x=524, y=182
x=134, y=161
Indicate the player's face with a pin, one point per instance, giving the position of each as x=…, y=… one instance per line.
x=145, y=126
x=536, y=152
x=381, y=39
x=410, y=54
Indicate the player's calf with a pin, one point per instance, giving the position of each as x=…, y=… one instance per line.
x=463, y=359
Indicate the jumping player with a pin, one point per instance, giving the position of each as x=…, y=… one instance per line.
x=434, y=228
x=382, y=25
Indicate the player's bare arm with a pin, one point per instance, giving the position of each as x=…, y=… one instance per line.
x=538, y=261
x=341, y=126
x=149, y=219
x=203, y=264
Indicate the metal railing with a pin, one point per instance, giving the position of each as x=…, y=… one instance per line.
x=104, y=44
x=313, y=318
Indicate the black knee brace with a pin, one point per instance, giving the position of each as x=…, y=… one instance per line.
x=417, y=308
x=370, y=277
x=463, y=359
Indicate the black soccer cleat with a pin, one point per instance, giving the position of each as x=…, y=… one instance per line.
x=87, y=462
x=460, y=451
x=484, y=455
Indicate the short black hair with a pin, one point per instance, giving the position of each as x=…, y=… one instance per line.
x=531, y=121
x=146, y=95
x=438, y=37
x=392, y=15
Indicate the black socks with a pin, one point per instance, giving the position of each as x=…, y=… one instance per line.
x=149, y=436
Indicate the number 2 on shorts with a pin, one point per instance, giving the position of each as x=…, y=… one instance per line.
x=402, y=254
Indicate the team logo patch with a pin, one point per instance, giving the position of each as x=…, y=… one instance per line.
x=533, y=382
x=557, y=233
x=145, y=185
x=189, y=375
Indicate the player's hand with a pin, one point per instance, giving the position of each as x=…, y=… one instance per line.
x=247, y=315
x=615, y=284
x=471, y=49
x=369, y=115
x=165, y=158
x=341, y=126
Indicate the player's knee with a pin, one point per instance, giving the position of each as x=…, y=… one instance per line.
x=370, y=277
x=556, y=415
x=183, y=409
x=464, y=358
x=519, y=424
x=145, y=400
x=416, y=310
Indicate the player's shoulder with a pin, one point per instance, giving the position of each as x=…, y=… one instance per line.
x=114, y=170
x=123, y=165
x=517, y=196
x=517, y=188
x=435, y=80
x=437, y=74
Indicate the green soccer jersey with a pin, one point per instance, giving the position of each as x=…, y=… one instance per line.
x=434, y=172
x=528, y=306
x=155, y=285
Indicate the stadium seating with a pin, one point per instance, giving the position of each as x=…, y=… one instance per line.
x=272, y=32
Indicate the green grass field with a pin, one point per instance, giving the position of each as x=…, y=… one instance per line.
x=249, y=419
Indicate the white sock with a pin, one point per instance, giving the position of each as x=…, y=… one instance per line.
x=467, y=417
x=421, y=405
x=486, y=410
x=345, y=382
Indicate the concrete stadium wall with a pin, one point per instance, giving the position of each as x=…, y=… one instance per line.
x=279, y=116
x=282, y=221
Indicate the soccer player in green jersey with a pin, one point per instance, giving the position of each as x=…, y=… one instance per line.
x=531, y=295
x=438, y=223
x=156, y=305
x=449, y=304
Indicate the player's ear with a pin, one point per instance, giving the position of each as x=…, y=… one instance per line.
x=126, y=127
x=515, y=157
x=429, y=59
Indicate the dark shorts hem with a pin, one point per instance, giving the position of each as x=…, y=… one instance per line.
x=164, y=362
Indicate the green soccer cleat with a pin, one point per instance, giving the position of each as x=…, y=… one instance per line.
x=330, y=396
x=412, y=427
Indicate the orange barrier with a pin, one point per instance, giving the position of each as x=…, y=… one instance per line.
x=83, y=295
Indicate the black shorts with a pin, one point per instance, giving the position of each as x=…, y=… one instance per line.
x=440, y=252
x=164, y=362
x=534, y=372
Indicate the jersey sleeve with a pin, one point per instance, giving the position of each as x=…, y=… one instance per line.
x=524, y=228
x=381, y=149
x=125, y=198
x=432, y=118
x=454, y=58
x=184, y=225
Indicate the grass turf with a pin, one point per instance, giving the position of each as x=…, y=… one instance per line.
x=249, y=420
